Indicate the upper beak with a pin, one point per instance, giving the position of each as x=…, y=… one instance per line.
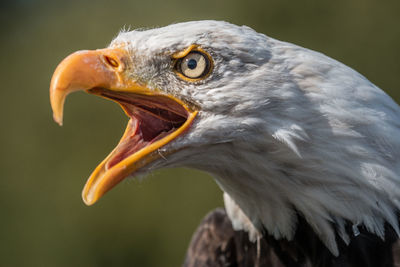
x=84, y=70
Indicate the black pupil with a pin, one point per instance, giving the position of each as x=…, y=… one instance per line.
x=192, y=64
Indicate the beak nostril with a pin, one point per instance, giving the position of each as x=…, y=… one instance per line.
x=112, y=62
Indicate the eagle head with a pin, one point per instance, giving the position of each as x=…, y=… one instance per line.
x=285, y=131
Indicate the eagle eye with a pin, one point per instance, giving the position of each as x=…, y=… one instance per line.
x=194, y=65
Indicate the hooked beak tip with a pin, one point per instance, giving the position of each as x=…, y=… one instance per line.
x=58, y=119
x=57, y=99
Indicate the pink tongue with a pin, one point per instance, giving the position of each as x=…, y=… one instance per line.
x=126, y=148
x=145, y=128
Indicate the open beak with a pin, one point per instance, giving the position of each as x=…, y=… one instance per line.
x=156, y=118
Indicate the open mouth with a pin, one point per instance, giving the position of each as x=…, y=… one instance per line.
x=156, y=118
x=151, y=119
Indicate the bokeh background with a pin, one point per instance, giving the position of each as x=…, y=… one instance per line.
x=43, y=167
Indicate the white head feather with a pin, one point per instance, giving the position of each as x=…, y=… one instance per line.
x=283, y=129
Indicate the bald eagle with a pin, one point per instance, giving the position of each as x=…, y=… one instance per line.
x=306, y=150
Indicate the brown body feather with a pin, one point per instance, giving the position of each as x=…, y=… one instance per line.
x=216, y=244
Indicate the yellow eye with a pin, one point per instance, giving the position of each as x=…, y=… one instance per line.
x=194, y=65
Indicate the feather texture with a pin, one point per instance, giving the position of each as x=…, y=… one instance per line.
x=286, y=131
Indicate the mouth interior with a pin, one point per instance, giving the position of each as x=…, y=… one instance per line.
x=151, y=119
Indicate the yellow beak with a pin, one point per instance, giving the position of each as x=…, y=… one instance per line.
x=104, y=72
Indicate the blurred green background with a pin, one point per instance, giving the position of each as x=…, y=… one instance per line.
x=44, y=167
